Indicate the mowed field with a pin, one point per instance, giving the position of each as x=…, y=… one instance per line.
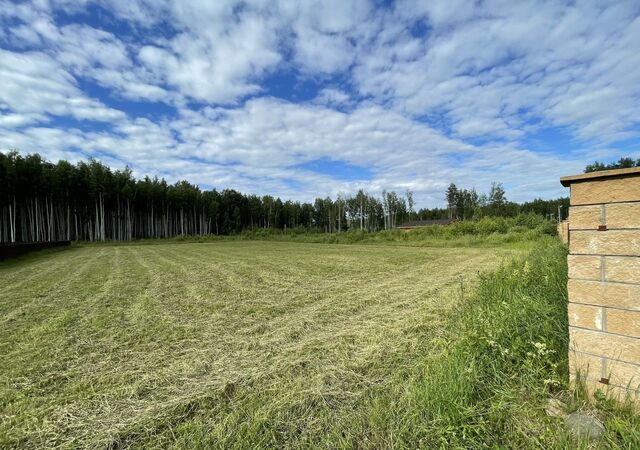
x=224, y=344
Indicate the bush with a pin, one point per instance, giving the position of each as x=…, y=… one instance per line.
x=482, y=232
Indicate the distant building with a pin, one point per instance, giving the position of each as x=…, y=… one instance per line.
x=424, y=223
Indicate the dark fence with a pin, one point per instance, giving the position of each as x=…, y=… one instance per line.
x=20, y=248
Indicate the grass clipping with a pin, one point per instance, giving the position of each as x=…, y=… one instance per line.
x=384, y=358
x=213, y=345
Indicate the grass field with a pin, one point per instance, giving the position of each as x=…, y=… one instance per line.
x=262, y=344
x=224, y=343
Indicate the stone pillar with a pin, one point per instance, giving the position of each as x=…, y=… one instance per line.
x=604, y=280
x=563, y=231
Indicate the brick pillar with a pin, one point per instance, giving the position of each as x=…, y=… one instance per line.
x=604, y=279
x=563, y=231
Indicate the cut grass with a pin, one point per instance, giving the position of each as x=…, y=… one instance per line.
x=238, y=344
x=223, y=344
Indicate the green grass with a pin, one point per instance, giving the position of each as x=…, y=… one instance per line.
x=238, y=342
x=258, y=344
x=521, y=230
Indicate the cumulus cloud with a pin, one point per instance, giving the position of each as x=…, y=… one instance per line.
x=34, y=84
x=419, y=93
x=492, y=66
x=262, y=148
x=333, y=96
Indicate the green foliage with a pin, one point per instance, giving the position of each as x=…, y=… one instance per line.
x=468, y=204
x=505, y=356
x=461, y=203
x=485, y=231
x=622, y=163
x=42, y=201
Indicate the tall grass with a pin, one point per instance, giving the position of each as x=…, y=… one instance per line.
x=501, y=229
x=483, y=383
x=505, y=355
x=485, y=232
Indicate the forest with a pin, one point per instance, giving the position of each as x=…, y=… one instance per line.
x=45, y=201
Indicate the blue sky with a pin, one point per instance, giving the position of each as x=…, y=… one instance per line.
x=313, y=98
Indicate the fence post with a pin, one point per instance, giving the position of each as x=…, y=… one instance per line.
x=604, y=280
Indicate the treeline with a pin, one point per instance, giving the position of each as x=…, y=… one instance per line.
x=43, y=201
x=622, y=163
x=464, y=204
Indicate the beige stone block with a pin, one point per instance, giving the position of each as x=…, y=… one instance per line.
x=612, y=242
x=611, y=391
x=563, y=231
x=623, y=215
x=623, y=270
x=584, y=267
x=624, y=296
x=622, y=348
x=589, y=366
x=605, y=374
x=622, y=374
x=620, y=321
x=625, y=189
x=585, y=217
x=586, y=316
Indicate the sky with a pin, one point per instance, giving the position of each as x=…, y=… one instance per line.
x=313, y=98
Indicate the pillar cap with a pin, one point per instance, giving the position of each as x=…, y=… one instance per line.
x=614, y=173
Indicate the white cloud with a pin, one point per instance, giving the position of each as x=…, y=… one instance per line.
x=12, y=120
x=564, y=64
x=333, y=96
x=322, y=53
x=220, y=67
x=34, y=84
x=262, y=148
x=495, y=70
x=86, y=52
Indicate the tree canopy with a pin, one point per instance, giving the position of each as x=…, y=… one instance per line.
x=622, y=163
x=43, y=201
